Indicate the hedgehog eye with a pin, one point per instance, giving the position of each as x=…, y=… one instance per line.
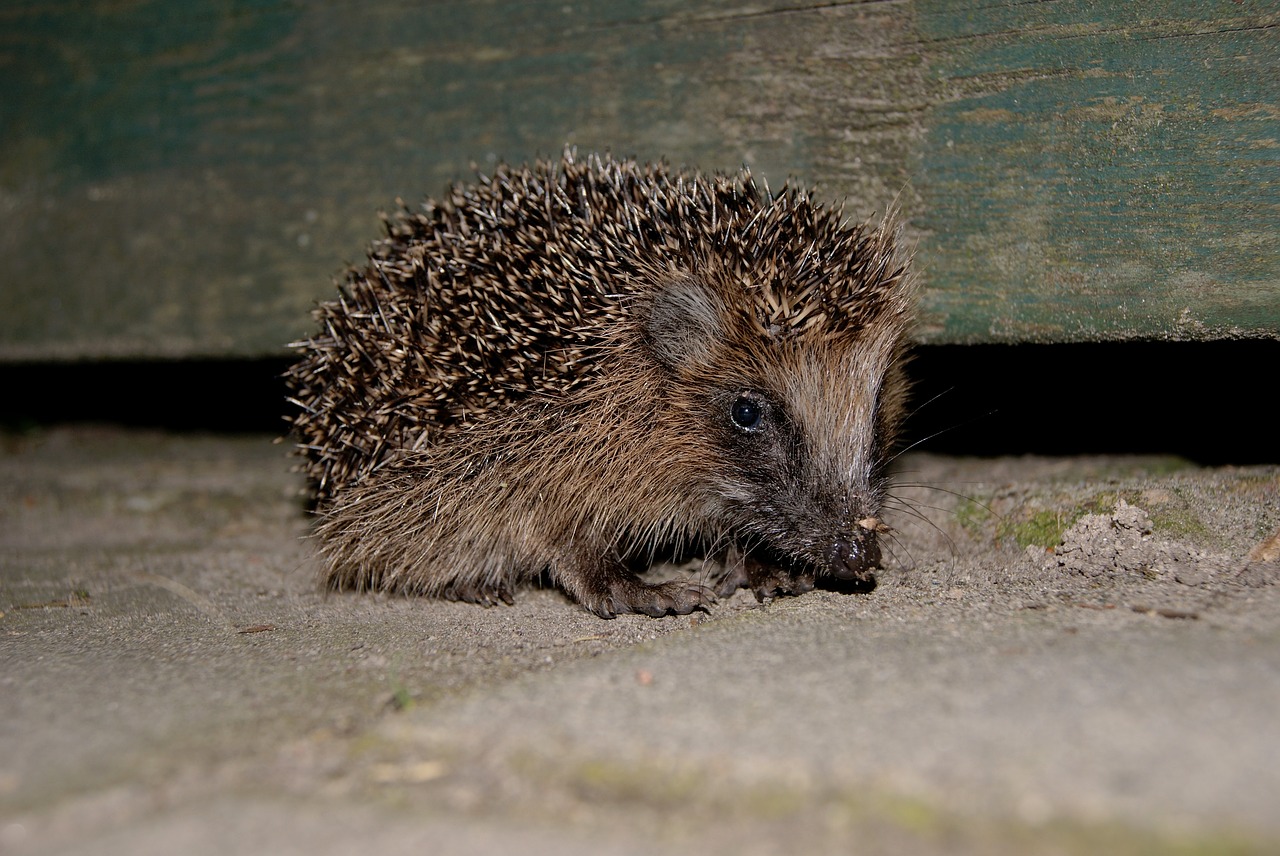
x=746, y=413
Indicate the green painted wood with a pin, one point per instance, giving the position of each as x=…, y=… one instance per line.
x=1102, y=170
x=186, y=179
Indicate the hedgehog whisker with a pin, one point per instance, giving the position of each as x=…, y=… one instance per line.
x=912, y=512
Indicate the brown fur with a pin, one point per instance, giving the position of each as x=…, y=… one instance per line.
x=544, y=372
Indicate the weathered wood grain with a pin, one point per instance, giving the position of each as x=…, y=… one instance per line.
x=186, y=179
x=1101, y=170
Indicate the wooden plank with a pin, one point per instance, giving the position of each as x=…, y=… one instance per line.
x=187, y=183
x=1102, y=170
x=185, y=180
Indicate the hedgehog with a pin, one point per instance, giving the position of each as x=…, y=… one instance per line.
x=562, y=370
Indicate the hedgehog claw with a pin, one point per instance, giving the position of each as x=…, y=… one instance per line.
x=677, y=597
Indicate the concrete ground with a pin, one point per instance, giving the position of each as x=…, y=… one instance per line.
x=1066, y=656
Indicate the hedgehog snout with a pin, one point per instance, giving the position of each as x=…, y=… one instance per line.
x=855, y=555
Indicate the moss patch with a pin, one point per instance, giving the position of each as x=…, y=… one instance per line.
x=812, y=816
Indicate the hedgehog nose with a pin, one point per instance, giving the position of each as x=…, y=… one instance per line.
x=855, y=556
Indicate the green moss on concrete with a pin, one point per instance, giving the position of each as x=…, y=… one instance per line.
x=813, y=816
x=973, y=516
x=1041, y=529
x=1178, y=521
x=658, y=786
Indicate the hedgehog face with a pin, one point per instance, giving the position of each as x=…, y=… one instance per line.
x=802, y=449
x=796, y=423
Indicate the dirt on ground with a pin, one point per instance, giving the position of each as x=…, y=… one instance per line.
x=1061, y=655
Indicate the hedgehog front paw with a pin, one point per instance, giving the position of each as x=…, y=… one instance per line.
x=677, y=597
x=765, y=581
x=770, y=581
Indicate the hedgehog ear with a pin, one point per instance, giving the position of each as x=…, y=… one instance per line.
x=684, y=321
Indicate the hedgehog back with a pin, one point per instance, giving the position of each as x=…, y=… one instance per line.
x=500, y=292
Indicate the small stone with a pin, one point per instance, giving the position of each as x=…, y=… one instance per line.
x=1187, y=574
